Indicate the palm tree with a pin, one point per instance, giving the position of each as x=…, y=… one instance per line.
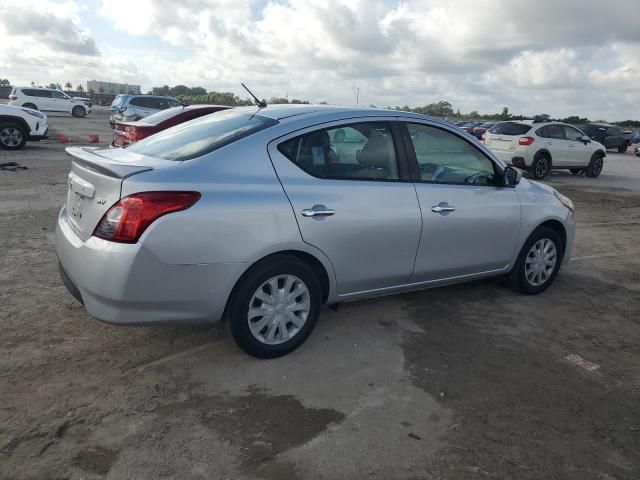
x=79, y=88
x=68, y=86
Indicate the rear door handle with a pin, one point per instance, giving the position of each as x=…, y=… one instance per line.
x=443, y=208
x=317, y=211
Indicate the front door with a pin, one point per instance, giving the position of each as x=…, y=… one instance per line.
x=353, y=200
x=59, y=103
x=470, y=221
x=578, y=153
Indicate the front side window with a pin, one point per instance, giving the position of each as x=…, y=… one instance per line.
x=201, y=136
x=573, y=133
x=57, y=94
x=556, y=131
x=446, y=158
x=358, y=151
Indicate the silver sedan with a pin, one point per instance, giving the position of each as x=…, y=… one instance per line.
x=261, y=215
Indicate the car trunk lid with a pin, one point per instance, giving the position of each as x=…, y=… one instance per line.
x=95, y=182
x=501, y=142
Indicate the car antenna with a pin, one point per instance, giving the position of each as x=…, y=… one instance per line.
x=260, y=103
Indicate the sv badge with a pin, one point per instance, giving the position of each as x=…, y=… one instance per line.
x=101, y=201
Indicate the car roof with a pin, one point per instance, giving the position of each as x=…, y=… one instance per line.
x=37, y=88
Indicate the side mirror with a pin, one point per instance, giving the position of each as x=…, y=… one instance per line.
x=122, y=109
x=585, y=139
x=511, y=176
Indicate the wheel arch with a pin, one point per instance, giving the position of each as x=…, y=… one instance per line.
x=545, y=152
x=18, y=120
x=319, y=267
x=599, y=152
x=558, y=227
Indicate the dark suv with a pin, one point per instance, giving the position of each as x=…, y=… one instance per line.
x=611, y=136
x=130, y=108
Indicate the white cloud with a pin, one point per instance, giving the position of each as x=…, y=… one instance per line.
x=478, y=54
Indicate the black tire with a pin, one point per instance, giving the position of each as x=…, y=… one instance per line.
x=518, y=280
x=13, y=136
x=576, y=171
x=248, y=285
x=623, y=148
x=594, y=169
x=30, y=105
x=541, y=166
x=78, y=111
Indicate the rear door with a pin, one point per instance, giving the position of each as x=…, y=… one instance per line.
x=352, y=197
x=470, y=223
x=557, y=145
x=44, y=100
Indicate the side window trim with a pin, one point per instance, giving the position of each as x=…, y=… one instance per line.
x=413, y=159
x=402, y=163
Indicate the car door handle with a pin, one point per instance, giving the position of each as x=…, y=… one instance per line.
x=317, y=211
x=443, y=208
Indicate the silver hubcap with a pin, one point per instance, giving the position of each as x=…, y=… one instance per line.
x=541, y=261
x=10, y=137
x=597, y=165
x=279, y=309
x=542, y=167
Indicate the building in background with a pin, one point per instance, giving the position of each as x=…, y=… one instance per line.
x=111, y=88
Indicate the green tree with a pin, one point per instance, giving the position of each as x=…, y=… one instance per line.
x=179, y=90
x=80, y=88
x=505, y=113
x=277, y=100
x=68, y=86
x=52, y=86
x=4, y=83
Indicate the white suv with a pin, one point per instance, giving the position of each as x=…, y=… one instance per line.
x=539, y=147
x=47, y=99
x=17, y=125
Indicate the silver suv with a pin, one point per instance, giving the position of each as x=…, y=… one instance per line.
x=260, y=216
x=129, y=108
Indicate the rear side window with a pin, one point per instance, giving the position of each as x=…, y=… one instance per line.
x=358, y=151
x=201, y=136
x=613, y=131
x=542, y=132
x=139, y=102
x=556, y=131
x=510, y=128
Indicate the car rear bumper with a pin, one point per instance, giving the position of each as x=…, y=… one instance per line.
x=127, y=284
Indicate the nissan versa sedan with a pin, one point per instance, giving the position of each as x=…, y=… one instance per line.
x=261, y=215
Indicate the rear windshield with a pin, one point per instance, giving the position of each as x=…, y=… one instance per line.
x=161, y=116
x=117, y=100
x=201, y=136
x=510, y=128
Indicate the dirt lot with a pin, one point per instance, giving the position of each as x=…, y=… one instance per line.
x=463, y=382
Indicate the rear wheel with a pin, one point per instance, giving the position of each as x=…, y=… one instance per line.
x=538, y=262
x=13, y=136
x=623, y=148
x=275, y=307
x=576, y=171
x=78, y=111
x=541, y=166
x=30, y=105
x=594, y=169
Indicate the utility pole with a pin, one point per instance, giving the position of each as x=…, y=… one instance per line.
x=357, y=95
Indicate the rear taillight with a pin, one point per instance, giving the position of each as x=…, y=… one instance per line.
x=12, y=97
x=127, y=220
x=525, y=140
x=133, y=134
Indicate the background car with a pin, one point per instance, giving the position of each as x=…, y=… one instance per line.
x=129, y=108
x=49, y=100
x=266, y=214
x=126, y=133
x=539, y=147
x=611, y=136
x=469, y=126
x=637, y=150
x=17, y=125
x=480, y=129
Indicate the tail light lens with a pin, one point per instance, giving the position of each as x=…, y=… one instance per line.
x=127, y=220
x=133, y=134
x=525, y=140
x=12, y=97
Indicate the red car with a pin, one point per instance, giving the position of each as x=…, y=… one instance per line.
x=127, y=133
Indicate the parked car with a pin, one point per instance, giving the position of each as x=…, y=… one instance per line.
x=611, y=136
x=129, y=108
x=262, y=215
x=540, y=147
x=636, y=150
x=469, y=126
x=127, y=133
x=18, y=124
x=480, y=129
x=49, y=100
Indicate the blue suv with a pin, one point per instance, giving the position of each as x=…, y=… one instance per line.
x=129, y=108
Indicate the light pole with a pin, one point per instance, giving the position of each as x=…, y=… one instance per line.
x=357, y=95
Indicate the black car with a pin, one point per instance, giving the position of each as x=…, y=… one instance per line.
x=611, y=136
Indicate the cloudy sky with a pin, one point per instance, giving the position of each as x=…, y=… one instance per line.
x=558, y=57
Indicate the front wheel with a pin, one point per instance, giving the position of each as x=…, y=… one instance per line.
x=78, y=111
x=13, y=136
x=594, y=169
x=538, y=262
x=623, y=148
x=275, y=307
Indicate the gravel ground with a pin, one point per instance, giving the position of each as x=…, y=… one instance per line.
x=469, y=381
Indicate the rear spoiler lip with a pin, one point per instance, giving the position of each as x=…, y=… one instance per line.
x=86, y=157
